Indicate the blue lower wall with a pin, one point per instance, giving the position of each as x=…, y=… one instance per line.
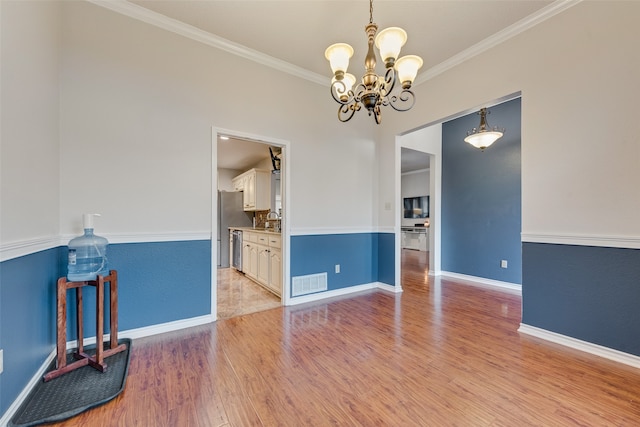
x=157, y=283
x=162, y=282
x=27, y=317
x=386, y=258
x=585, y=292
x=363, y=258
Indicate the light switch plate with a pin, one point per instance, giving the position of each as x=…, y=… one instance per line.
x=1, y=361
x=503, y=263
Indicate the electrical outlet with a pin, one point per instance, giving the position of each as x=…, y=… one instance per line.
x=337, y=268
x=503, y=263
x=1, y=361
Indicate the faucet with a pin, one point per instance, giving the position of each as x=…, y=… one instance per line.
x=275, y=217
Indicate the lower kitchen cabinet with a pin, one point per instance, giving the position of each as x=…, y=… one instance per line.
x=262, y=259
x=275, y=268
x=263, y=265
x=250, y=261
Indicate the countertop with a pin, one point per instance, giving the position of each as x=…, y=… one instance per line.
x=415, y=229
x=255, y=230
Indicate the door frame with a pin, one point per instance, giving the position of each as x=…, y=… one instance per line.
x=427, y=140
x=285, y=183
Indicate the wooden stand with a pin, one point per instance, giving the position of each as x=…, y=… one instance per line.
x=83, y=358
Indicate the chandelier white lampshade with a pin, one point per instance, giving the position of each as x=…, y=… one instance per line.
x=348, y=80
x=373, y=91
x=389, y=42
x=408, y=67
x=338, y=55
x=483, y=136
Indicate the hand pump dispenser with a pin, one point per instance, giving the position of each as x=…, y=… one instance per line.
x=87, y=254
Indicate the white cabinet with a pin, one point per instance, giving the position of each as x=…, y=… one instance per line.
x=238, y=183
x=256, y=187
x=275, y=269
x=262, y=259
x=249, y=255
x=263, y=265
x=417, y=239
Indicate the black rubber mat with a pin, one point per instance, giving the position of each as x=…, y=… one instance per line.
x=75, y=391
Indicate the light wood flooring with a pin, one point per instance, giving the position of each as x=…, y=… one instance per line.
x=238, y=295
x=441, y=353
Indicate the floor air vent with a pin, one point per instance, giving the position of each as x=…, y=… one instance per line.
x=309, y=284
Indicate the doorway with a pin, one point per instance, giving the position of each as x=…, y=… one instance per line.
x=501, y=226
x=421, y=153
x=250, y=191
x=415, y=222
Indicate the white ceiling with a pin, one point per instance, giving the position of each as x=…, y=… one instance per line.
x=293, y=35
x=412, y=160
x=298, y=31
x=240, y=154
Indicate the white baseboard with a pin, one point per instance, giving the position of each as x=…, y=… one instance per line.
x=147, y=331
x=595, y=349
x=131, y=333
x=330, y=294
x=389, y=288
x=512, y=288
x=303, y=299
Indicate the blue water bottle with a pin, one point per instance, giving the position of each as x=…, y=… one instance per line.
x=87, y=254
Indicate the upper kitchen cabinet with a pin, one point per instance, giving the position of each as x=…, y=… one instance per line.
x=256, y=187
x=238, y=183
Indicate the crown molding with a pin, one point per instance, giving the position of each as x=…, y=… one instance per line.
x=513, y=30
x=161, y=21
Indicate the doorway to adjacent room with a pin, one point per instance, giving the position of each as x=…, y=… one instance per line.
x=249, y=211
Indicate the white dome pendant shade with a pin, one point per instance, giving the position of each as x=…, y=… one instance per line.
x=483, y=136
x=484, y=139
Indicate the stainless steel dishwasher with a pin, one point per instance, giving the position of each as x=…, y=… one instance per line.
x=236, y=245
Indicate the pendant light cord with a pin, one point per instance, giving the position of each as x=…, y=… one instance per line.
x=370, y=11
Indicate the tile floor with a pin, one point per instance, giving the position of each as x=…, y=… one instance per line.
x=238, y=295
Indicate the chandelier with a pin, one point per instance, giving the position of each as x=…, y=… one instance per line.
x=373, y=91
x=483, y=136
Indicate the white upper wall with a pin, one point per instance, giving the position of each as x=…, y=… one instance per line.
x=137, y=104
x=29, y=197
x=578, y=74
x=137, y=108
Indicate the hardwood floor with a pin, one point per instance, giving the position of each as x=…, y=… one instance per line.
x=439, y=354
x=238, y=295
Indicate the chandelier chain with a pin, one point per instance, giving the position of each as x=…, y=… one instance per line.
x=370, y=11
